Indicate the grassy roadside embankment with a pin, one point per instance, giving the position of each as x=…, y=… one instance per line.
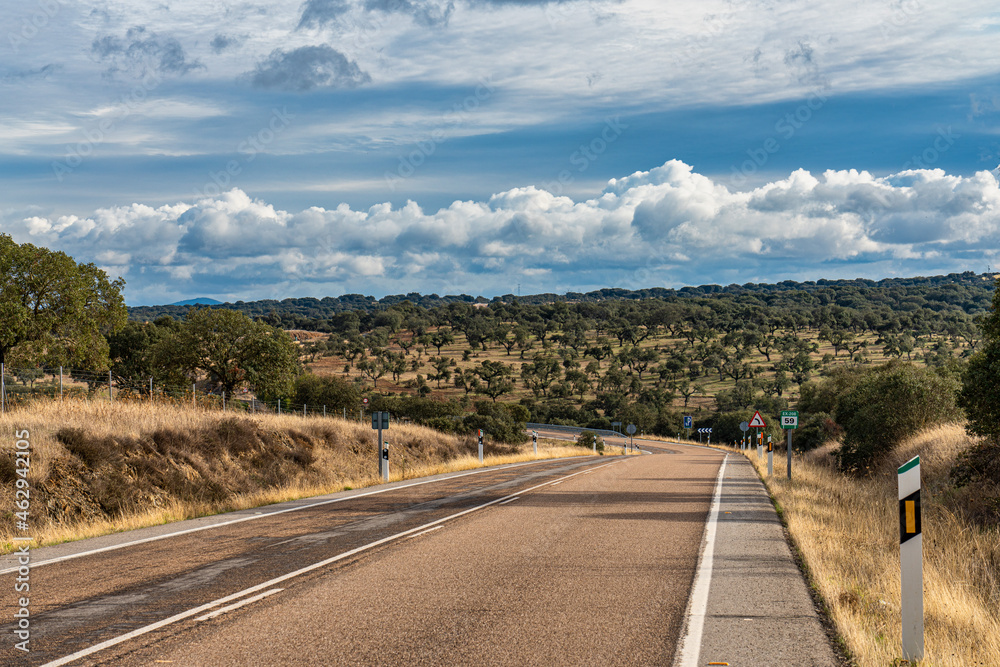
x=101, y=467
x=846, y=532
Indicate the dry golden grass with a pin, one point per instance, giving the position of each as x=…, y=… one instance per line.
x=847, y=533
x=321, y=455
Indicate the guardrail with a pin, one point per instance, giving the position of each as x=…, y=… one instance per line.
x=575, y=429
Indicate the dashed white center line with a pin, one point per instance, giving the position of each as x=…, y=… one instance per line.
x=241, y=603
x=285, y=577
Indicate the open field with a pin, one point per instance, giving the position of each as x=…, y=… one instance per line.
x=100, y=467
x=710, y=382
x=846, y=531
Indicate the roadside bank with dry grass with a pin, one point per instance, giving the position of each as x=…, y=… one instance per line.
x=100, y=467
x=846, y=531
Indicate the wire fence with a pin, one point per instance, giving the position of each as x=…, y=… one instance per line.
x=20, y=386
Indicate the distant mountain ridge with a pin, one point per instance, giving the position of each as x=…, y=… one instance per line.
x=200, y=301
x=301, y=312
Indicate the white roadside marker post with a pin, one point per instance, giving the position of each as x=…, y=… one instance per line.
x=534, y=441
x=480, y=445
x=911, y=557
x=380, y=420
x=770, y=458
x=385, y=461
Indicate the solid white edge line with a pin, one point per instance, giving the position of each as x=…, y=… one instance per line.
x=510, y=500
x=277, y=580
x=430, y=530
x=154, y=538
x=237, y=605
x=698, y=604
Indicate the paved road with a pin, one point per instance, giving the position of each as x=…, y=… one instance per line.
x=585, y=561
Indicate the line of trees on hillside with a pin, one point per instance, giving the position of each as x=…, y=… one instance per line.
x=969, y=291
x=584, y=363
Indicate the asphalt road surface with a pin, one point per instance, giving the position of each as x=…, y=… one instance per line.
x=572, y=562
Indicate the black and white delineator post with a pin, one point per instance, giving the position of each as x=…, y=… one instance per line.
x=380, y=421
x=385, y=461
x=534, y=441
x=911, y=560
x=480, y=445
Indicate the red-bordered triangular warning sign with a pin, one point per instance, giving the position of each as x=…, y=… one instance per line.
x=757, y=421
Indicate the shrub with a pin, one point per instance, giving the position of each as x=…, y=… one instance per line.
x=589, y=439
x=980, y=395
x=499, y=420
x=814, y=430
x=333, y=392
x=888, y=404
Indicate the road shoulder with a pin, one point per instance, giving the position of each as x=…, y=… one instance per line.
x=760, y=611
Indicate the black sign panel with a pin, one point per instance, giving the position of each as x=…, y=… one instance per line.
x=909, y=517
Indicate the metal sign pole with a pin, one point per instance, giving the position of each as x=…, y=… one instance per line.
x=789, y=448
x=911, y=557
x=377, y=418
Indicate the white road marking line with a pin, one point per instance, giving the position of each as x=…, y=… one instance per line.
x=241, y=603
x=114, y=641
x=259, y=515
x=509, y=500
x=698, y=604
x=429, y=530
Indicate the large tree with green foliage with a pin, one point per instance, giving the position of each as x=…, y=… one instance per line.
x=980, y=395
x=132, y=348
x=886, y=405
x=54, y=310
x=234, y=351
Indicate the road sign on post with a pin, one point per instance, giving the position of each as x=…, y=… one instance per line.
x=911, y=559
x=789, y=422
x=630, y=429
x=688, y=421
x=757, y=421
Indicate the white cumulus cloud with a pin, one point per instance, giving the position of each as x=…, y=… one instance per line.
x=668, y=226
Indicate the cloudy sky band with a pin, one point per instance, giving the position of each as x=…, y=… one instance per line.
x=154, y=127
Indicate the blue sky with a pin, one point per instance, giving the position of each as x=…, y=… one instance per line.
x=244, y=150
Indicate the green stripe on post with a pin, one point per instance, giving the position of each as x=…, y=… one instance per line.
x=915, y=461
